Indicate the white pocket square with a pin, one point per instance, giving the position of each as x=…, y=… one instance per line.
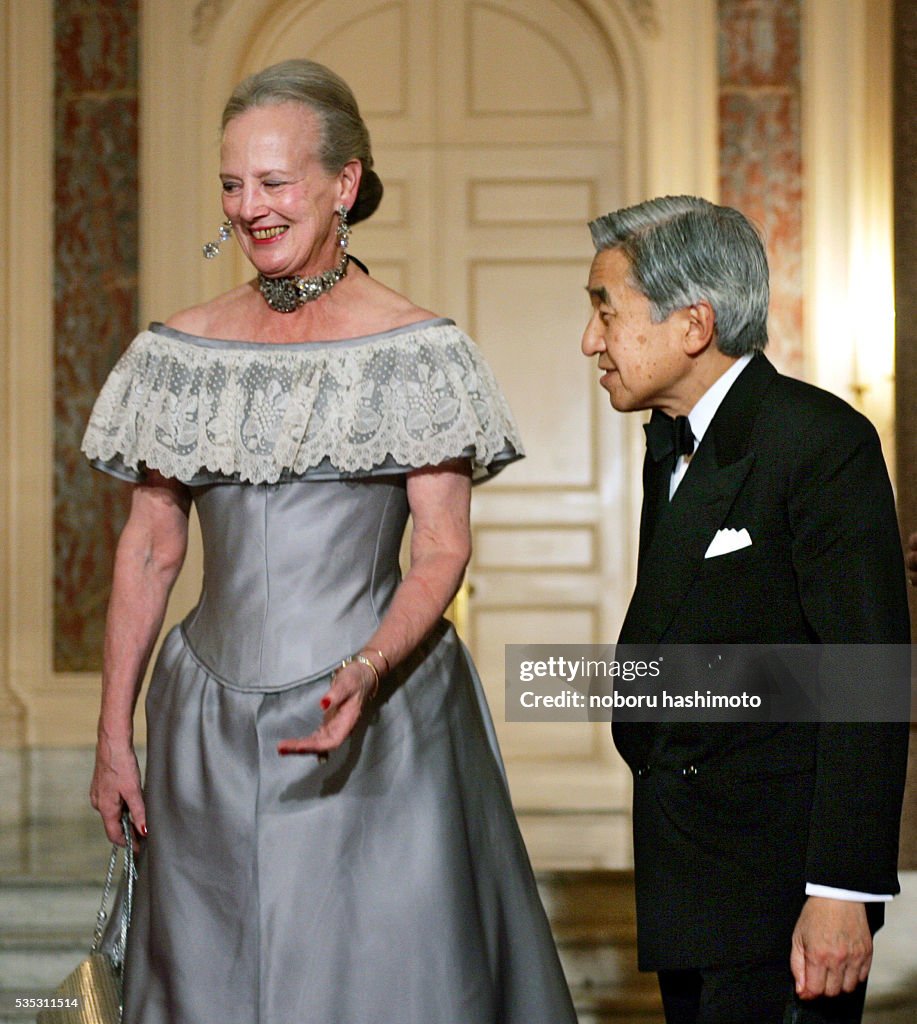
x=726, y=541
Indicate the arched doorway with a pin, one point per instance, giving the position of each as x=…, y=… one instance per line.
x=499, y=127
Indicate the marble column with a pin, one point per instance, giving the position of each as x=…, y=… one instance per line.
x=96, y=216
x=761, y=149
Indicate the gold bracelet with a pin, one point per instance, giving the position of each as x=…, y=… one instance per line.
x=363, y=660
x=375, y=650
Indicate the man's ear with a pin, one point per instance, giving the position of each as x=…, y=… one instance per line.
x=701, y=327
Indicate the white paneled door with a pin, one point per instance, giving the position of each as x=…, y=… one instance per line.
x=498, y=129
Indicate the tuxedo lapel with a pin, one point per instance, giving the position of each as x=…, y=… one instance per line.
x=673, y=547
x=681, y=537
x=731, y=429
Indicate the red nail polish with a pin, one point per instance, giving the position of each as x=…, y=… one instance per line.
x=143, y=830
x=326, y=703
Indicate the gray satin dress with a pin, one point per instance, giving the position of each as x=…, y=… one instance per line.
x=389, y=885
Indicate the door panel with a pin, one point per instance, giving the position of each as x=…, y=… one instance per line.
x=497, y=132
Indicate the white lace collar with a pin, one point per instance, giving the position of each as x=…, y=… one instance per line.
x=199, y=409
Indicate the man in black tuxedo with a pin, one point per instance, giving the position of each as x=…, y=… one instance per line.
x=763, y=852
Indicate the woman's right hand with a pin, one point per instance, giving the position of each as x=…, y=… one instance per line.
x=150, y=553
x=116, y=785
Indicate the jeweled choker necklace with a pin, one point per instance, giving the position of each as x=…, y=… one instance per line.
x=287, y=294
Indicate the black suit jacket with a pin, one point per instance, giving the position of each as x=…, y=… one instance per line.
x=731, y=820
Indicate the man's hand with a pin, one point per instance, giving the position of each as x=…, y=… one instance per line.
x=910, y=559
x=832, y=947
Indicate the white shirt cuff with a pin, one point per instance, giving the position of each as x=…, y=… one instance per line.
x=845, y=894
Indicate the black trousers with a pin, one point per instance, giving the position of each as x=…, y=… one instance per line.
x=752, y=994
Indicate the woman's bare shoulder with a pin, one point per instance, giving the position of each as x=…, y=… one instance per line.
x=210, y=319
x=366, y=306
x=385, y=305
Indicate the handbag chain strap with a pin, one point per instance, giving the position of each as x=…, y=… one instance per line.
x=127, y=902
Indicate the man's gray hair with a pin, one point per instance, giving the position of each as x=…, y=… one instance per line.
x=683, y=250
x=344, y=133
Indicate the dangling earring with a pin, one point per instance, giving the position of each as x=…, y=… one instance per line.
x=212, y=249
x=343, y=229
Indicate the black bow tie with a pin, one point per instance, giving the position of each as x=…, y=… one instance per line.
x=665, y=435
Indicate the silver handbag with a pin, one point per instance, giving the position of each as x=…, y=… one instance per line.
x=91, y=993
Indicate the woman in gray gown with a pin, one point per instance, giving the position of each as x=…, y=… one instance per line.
x=328, y=835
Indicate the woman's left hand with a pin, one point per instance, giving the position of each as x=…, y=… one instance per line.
x=439, y=498
x=351, y=687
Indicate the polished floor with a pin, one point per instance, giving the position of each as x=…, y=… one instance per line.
x=53, y=855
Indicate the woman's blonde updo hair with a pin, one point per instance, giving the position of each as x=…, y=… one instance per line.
x=344, y=133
